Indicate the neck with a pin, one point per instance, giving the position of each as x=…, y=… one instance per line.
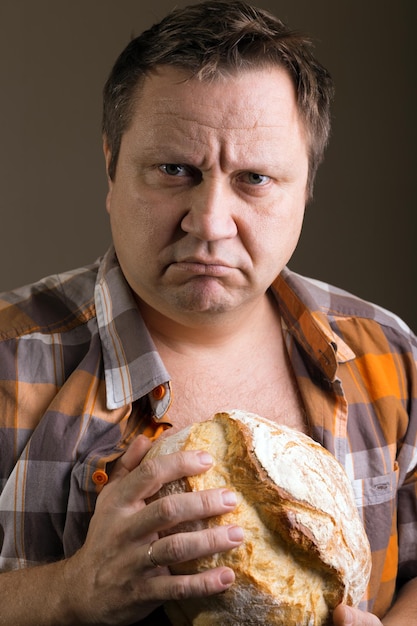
x=191, y=333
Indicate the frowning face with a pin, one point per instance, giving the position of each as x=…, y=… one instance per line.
x=207, y=203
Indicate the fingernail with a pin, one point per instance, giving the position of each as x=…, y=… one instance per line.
x=235, y=533
x=227, y=577
x=205, y=458
x=229, y=498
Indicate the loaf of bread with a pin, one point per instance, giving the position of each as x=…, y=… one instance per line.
x=305, y=549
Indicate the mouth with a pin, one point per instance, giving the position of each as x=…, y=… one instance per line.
x=198, y=267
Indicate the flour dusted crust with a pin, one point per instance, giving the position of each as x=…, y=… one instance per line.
x=305, y=548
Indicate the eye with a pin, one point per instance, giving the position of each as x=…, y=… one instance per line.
x=175, y=170
x=253, y=178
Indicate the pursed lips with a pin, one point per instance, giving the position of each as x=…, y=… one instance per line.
x=206, y=267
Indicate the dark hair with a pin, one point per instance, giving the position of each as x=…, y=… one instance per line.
x=214, y=38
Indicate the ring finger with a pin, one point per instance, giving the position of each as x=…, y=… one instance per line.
x=182, y=547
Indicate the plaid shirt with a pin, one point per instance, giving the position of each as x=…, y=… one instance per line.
x=80, y=377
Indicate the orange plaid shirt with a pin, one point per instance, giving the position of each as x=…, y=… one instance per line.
x=80, y=377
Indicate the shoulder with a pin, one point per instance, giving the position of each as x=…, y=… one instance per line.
x=357, y=321
x=56, y=303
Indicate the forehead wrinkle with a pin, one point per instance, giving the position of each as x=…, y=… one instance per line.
x=202, y=133
x=198, y=99
x=249, y=117
x=229, y=148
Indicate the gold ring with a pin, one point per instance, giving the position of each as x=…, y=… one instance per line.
x=151, y=555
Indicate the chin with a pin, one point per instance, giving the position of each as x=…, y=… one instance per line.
x=204, y=299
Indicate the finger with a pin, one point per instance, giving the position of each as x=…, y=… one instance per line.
x=171, y=511
x=146, y=480
x=131, y=458
x=212, y=581
x=182, y=547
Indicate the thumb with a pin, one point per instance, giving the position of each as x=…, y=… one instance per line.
x=130, y=459
x=343, y=616
x=347, y=616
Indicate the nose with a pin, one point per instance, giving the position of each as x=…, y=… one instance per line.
x=210, y=215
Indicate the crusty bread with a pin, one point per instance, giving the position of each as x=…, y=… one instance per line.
x=305, y=548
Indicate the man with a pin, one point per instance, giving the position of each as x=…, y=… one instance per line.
x=215, y=121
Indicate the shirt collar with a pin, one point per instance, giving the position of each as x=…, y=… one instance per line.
x=133, y=367
x=299, y=299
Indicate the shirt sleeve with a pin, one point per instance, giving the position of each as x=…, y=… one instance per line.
x=407, y=461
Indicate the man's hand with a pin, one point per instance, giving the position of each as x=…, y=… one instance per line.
x=347, y=616
x=112, y=579
x=402, y=613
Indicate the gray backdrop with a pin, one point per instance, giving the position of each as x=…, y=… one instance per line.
x=54, y=58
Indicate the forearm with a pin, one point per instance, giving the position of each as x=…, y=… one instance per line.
x=37, y=596
x=404, y=611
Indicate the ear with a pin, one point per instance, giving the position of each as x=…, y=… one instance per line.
x=107, y=155
x=107, y=158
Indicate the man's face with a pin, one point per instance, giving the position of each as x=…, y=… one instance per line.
x=207, y=203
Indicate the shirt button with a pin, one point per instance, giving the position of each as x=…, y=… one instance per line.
x=159, y=392
x=100, y=478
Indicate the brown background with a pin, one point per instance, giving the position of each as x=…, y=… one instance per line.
x=54, y=58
